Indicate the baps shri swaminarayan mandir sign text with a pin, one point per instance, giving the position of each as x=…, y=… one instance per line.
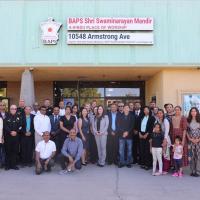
x=90, y=30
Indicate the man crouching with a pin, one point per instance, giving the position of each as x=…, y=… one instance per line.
x=45, y=152
x=71, y=152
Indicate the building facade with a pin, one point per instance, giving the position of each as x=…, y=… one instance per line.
x=166, y=70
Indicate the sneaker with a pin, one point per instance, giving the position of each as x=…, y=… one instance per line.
x=153, y=174
x=63, y=172
x=164, y=173
x=69, y=169
x=129, y=165
x=175, y=174
x=180, y=175
x=158, y=173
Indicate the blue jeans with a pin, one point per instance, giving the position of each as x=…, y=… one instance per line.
x=122, y=144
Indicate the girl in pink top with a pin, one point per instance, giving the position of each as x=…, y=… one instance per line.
x=178, y=157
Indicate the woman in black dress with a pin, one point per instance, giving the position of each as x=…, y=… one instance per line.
x=67, y=122
x=84, y=129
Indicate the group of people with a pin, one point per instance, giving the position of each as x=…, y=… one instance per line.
x=124, y=135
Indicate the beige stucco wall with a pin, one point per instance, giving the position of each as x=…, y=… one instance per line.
x=154, y=87
x=43, y=90
x=177, y=82
x=169, y=85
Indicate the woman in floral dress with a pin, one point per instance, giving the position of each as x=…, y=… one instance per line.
x=179, y=128
x=193, y=135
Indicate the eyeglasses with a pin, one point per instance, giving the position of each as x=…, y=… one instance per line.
x=120, y=106
x=43, y=110
x=13, y=109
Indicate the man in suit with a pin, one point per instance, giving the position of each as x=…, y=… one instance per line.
x=112, y=140
x=136, y=145
x=55, y=126
x=27, y=137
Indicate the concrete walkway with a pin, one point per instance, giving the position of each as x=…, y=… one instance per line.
x=93, y=183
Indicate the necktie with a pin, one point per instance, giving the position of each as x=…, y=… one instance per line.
x=56, y=119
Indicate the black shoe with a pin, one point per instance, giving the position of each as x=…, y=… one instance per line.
x=192, y=174
x=142, y=166
x=15, y=168
x=196, y=175
x=22, y=165
x=100, y=165
x=129, y=165
x=135, y=162
x=120, y=165
x=7, y=168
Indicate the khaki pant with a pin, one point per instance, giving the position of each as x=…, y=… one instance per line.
x=38, y=138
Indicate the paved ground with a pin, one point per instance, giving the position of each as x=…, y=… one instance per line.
x=93, y=183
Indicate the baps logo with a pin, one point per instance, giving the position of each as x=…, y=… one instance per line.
x=50, y=30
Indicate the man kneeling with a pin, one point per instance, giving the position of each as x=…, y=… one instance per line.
x=71, y=152
x=45, y=152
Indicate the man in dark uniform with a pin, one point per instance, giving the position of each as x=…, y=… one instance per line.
x=12, y=127
x=20, y=109
x=49, y=109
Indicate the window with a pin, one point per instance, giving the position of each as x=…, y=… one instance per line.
x=91, y=92
x=3, y=86
x=122, y=92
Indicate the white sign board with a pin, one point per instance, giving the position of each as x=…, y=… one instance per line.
x=50, y=30
x=107, y=23
x=83, y=37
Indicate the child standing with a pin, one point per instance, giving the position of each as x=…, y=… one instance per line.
x=156, y=144
x=177, y=156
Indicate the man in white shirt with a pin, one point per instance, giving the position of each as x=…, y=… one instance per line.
x=62, y=108
x=41, y=124
x=45, y=152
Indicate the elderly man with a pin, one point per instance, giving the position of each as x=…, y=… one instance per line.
x=12, y=128
x=45, y=152
x=71, y=152
x=3, y=112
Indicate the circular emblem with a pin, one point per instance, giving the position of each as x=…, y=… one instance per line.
x=50, y=29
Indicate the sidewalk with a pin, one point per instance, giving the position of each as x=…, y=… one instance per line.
x=93, y=183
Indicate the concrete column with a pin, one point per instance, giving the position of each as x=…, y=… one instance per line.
x=27, y=92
